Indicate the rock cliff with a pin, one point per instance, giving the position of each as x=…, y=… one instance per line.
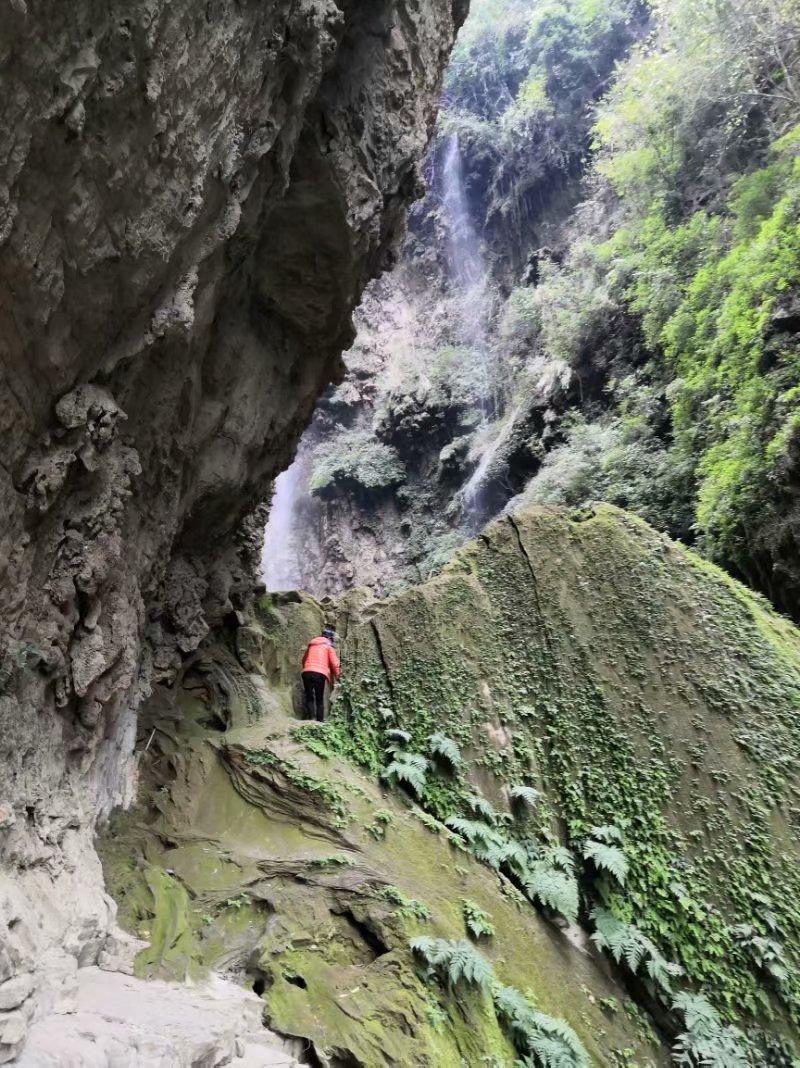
x=192, y=198
x=553, y=812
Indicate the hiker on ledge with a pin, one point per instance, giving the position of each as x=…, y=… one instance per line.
x=320, y=665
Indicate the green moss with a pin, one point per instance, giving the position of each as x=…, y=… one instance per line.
x=597, y=667
x=623, y=678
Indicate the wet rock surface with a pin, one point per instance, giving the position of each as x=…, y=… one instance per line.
x=191, y=200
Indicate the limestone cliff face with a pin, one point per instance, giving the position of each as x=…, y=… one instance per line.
x=192, y=198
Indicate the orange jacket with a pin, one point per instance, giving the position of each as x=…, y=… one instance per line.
x=321, y=656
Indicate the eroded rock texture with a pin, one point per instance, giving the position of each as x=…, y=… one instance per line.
x=192, y=197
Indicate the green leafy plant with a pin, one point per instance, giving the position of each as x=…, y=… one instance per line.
x=485, y=842
x=408, y=768
x=766, y=953
x=454, y=962
x=523, y=798
x=627, y=943
x=444, y=749
x=481, y=807
x=407, y=908
x=552, y=886
x=356, y=462
x=707, y=1040
x=238, y=902
x=397, y=740
x=541, y=1040
x=383, y=818
x=604, y=855
x=477, y=921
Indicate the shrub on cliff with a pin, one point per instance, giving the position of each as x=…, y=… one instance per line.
x=355, y=461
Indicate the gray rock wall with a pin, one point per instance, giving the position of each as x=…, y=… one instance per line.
x=192, y=197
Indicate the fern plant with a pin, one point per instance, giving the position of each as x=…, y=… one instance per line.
x=627, y=943
x=485, y=842
x=608, y=833
x=606, y=858
x=707, y=1040
x=523, y=798
x=513, y=857
x=396, y=740
x=766, y=953
x=603, y=847
x=481, y=807
x=552, y=887
x=409, y=768
x=454, y=962
x=478, y=923
x=541, y=1040
x=444, y=750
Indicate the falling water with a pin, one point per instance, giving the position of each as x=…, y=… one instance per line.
x=279, y=563
x=469, y=276
x=466, y=262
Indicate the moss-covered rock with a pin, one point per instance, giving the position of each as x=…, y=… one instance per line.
x=632, y=684
x=609, y=727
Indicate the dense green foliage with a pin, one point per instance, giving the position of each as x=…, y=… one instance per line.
x=355, y=460
x=541, y=1040
x=693, y=233
x=519, y=91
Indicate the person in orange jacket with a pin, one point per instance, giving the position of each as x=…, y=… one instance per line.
x=320, y=665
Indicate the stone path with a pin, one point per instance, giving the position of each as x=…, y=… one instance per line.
x=124, y=1022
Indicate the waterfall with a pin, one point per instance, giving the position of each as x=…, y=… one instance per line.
x=279, y=563
x=466, y=262
x=468, y=276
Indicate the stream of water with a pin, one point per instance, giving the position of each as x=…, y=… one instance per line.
x=470, y=295
x=470, y=278
x=279, y=564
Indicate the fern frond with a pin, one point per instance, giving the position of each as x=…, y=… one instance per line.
x=627, y=943
x=439, y=745
x=619, y=938
x=524, y=797
x=474, y=831
x=559, y=857
x=477, y=921
x=513, y=856
x=547, y=1041
x=661, y=970
x=409, y=768
x=427, y=948
x=608, y=833
x=707, y=1040
x=557, y=890
x=469, y=829
x=481, y=807
x=397, y=735
x=607, y=858
x=455, y=962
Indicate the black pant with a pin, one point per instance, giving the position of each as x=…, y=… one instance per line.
x=314, y=686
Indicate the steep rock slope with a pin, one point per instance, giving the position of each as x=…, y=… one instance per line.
x=191, y=200
x=579, y=728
